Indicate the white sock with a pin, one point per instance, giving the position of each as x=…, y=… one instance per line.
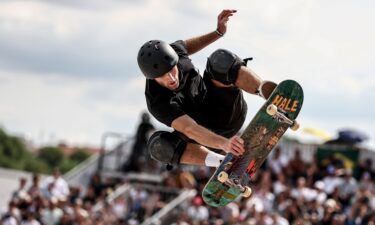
x=213, y=159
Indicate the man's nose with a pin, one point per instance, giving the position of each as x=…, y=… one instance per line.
x=171, y=77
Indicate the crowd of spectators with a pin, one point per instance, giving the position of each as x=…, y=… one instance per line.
x=285, y=191
x=51, y=201
x=292, y=191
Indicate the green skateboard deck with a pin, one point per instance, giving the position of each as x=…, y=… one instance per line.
x=231, y=179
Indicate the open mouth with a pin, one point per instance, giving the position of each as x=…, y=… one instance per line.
x=173, y=83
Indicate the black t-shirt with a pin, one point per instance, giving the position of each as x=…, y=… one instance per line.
x=218, y=109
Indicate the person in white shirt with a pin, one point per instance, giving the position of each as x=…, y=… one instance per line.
x=52, y=214
x=21, y=192
x=60, y=188
x=277, y=162
x=303, y=192
x=321, y=196
x=331, y=181
x=30, y=219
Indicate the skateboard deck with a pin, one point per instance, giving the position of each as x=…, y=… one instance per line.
x=278, y=113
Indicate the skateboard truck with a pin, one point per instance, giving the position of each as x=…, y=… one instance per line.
x=223, y=177
x=273, y=111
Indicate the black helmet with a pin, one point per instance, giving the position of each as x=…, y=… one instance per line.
x=156, y=58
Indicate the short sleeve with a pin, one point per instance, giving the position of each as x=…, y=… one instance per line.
x=180, y=48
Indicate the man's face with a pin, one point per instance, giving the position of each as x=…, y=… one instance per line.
x=169, y=80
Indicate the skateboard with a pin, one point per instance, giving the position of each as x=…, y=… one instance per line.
x=231, y=179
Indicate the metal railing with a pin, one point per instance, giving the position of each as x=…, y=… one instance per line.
x=158, y=217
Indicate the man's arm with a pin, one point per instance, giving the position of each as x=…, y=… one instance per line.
x=203, y=136
x=196, y=44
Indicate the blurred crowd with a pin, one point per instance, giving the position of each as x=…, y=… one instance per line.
x=51, y=201
x=286, y=191
x=294, y=192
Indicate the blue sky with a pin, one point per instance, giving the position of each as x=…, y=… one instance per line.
x=68, y=69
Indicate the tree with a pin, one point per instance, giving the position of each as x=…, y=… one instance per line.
x=13, y=152
x=53, y=156
x=79, y=155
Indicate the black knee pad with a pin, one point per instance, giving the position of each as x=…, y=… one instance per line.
x=223, y=66
x=166, y=147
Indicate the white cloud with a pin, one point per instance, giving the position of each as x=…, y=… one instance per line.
x=68, y=108
x=69, y=68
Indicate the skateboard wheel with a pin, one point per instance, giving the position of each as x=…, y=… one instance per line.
x=295, y=126
x=222, y=177
x=247, y=193
x=271, y=110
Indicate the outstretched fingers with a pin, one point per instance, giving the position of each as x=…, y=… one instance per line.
x=226, y=13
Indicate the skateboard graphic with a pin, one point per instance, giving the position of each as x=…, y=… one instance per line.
x=231, y=179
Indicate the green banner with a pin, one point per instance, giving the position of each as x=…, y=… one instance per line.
x=348, y=157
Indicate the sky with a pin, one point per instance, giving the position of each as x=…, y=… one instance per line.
x=68, y=70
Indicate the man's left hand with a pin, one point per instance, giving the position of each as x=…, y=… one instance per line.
x=223, y=18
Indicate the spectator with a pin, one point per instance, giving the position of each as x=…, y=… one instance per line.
x=78, y=212
x=90, y=196
x=30, y=219
x=107, y=213
x=265, y=194
x=280, y=184
x=75, y=193
x=230, y=213
x=331, y=181
x=96, y=184
x=315, y=212
x=366, y=182
x=296, y=166
x=277, y=162
x=347, y=188
x=52, y=214
x=60, y=188
x=34, y=190
x=12, y=216
x=277, y=219
x=47, y=192
x=302, y=192
x=139, y=155
x=321, y=196
x=21, y=192
x=197, y=211
x=331, y=207
x=365, y=166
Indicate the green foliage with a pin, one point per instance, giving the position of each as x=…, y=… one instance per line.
x=13, y=151
x=51, y=155
x=36, y=166
x=67, y=165
x=79, y=156
x=15, y=155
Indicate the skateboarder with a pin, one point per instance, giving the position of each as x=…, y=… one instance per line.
x=204, y=112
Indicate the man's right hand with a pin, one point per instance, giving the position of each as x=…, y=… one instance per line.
x=186, y=125
x=234, y=145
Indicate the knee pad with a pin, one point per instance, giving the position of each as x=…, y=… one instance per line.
x=166, y=147
x=223, y=65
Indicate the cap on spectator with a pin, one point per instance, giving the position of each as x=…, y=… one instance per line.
x=331, y=170
x=330, y=203
x=319, y=185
